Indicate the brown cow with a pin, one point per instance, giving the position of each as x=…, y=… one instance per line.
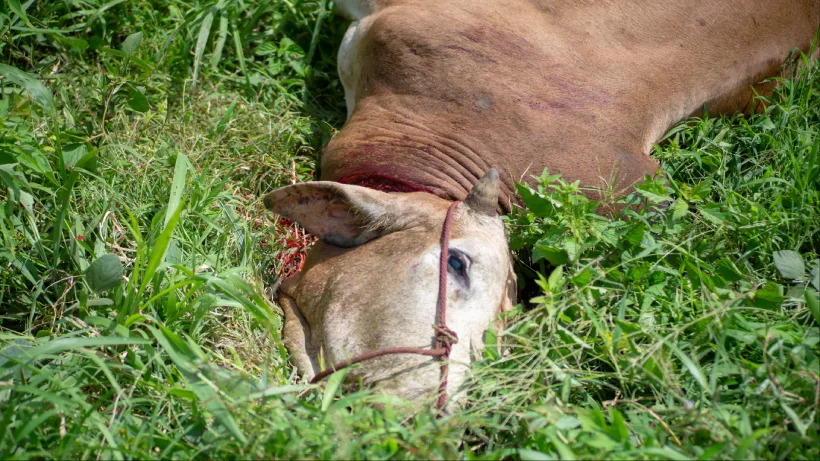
x=441, y=91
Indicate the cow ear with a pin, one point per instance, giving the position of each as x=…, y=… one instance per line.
x=340, y=214
x=483, y=197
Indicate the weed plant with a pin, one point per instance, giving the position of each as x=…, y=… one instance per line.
x=135, y=263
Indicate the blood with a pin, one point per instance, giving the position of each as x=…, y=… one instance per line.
x=382, y=183
x=293, y=239
x=295, y=243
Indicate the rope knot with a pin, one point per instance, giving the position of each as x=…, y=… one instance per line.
x=445, y=338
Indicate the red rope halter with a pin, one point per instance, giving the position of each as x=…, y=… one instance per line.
x=445, y=337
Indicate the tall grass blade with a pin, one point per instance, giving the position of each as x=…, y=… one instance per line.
x=16, y=8
x=160, y=248
x=64, y=197
x=221, y=38
x=334, y=382
x=240, y=54
x=201, y=42
x=177, y=186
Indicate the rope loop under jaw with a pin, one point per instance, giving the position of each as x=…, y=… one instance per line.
x=445, y=337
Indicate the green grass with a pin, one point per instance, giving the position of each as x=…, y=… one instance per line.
x=149, y=130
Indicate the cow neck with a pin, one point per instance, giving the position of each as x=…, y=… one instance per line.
x=383, y=183
x=390, y=184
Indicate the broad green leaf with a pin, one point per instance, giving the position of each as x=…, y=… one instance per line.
x=26, y=200
x=104, y=273
x=131, y=43
x=653, y=192
x=137, y=100
x=766, y=124
x=539, y=206
x=728, y=271
x=813, y=304
x=583, y=278
x=289, y=49
x=567, y=422
x=701, y=191
x=681, y=209
x=713, y=215
x=768, y=297
x=790, y=264
x=185, y=394
x=73, y=153
x=39, y=93
x=556, y=256
x=266, y=48
x=553, y=236
x=635, y=235
x=113, y=52
x=572, y=248
x=297, y=66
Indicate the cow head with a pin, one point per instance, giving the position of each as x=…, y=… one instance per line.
x=371, y=282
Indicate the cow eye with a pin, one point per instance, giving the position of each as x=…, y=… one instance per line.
x=458, y=262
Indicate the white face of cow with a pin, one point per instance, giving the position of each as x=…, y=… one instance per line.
x=372, y=281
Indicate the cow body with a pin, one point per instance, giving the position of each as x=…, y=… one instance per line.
x=441, y=91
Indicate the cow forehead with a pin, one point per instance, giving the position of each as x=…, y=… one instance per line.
x=373, y=270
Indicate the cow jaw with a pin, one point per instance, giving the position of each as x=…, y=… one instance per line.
x=381, y=290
